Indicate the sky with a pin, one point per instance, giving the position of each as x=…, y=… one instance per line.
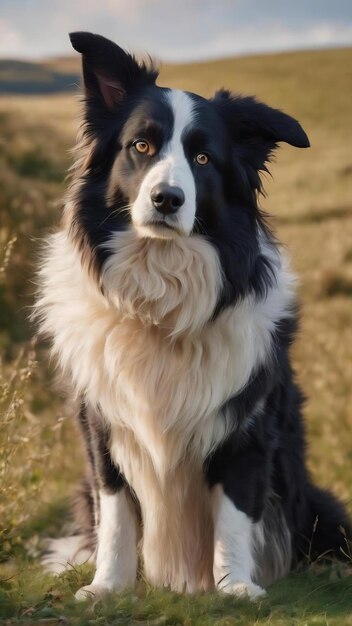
x=175, y=30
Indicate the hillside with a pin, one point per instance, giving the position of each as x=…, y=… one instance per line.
x=62, y=74
x=22, y=77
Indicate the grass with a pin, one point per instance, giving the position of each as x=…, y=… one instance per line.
x=311, y=597
x=310, y=198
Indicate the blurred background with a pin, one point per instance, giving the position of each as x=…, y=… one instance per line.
x=295, y=56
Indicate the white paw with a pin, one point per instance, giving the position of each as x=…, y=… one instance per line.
x=92, y=592
x=244, y=590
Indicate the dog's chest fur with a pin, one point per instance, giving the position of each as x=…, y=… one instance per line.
x=144, y=355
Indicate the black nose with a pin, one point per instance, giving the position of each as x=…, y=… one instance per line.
x=167, y=199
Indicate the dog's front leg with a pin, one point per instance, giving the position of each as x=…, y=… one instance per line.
x=234, y=562
x=116, y=560
x=116, y=519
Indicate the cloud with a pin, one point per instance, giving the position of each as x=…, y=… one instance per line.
x=175, y=30
x=275, y=37
x=10, y=39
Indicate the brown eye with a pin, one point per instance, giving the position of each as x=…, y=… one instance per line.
x=202, y=159
x=142, y=147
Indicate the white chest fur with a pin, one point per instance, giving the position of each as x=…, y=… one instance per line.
x=145, y=354
x=144, y=351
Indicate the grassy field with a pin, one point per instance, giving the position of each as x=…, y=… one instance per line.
x=310, y=199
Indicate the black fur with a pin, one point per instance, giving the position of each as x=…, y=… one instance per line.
x=97, y=436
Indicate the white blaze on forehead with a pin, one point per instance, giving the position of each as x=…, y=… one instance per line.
x=172, y=169
x=182, y=108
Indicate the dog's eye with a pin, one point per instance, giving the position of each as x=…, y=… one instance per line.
x=142, y=146
x=202, y=159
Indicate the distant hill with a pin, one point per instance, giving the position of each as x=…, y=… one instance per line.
x=22, y=77
x=63, y=74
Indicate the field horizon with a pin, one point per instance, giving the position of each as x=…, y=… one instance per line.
x=309, y=199
x=62, y=74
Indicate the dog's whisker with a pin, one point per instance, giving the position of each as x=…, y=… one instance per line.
x=125, y=209
x=198, y=220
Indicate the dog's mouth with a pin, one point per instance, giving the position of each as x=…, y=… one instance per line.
x=160, y=229
x=160, y=224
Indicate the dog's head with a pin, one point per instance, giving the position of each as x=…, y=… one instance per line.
x=169, y=163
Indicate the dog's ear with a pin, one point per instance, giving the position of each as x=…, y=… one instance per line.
x=109, y=73
x=256, y=128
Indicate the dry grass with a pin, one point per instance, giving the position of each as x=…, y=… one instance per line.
x=310, y=198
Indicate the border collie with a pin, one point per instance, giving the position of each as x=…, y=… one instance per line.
x=171, y=308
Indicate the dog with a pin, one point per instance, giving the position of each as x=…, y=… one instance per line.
x=171, y=309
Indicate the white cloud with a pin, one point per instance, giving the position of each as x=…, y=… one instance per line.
x=174, y=30
x=10, y=39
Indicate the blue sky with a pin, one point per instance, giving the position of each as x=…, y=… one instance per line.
x=175, y=30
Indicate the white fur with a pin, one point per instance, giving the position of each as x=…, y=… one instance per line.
x=273, y=545
x=234, y=547
x=66, y=552
x=116, y=560
x=142, y=349
x=172, y=169
x=177, y=543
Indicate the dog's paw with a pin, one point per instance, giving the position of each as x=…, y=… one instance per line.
x=92, y=592
x=245, y=590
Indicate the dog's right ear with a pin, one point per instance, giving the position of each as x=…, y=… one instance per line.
x=109, y=73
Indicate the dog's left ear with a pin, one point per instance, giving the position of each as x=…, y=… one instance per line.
x=109, y=73
x=256, y=128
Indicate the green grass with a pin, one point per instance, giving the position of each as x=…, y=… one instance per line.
x=312, y=597
x=310, y=198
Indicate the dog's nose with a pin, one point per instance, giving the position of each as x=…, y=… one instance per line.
x=167, y=199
